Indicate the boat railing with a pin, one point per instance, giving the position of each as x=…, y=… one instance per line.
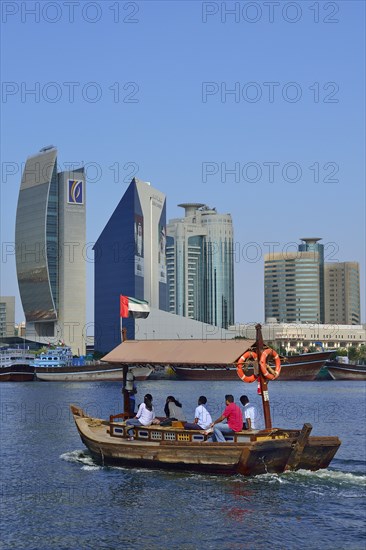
x=162, y=434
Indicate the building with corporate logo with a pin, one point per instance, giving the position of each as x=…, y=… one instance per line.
x=129, y=260
x=50, y=238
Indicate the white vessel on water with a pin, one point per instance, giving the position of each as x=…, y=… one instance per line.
x=16, y=365
x=61, y=356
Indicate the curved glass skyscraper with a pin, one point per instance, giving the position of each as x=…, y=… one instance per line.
x=50, y=244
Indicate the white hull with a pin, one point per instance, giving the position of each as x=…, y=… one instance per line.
x=113, y=374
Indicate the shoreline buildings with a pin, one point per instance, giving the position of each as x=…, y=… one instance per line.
x=200, y=265
x=50, y=238
x=7, y=316
x=297, y=337
x=299, y=287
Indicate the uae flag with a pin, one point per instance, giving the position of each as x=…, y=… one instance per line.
x=130, y=307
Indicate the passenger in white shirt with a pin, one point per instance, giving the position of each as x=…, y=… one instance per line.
x=249, y=414
x=145, y=415
x=202, y=418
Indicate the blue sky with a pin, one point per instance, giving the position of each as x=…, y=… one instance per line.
x=143, y=88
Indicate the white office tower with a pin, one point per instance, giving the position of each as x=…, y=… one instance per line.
x=294, y=284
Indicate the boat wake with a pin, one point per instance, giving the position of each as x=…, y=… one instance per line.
x=333, y=476
x=87, y=463
x=325, y=477
x=81, y=457
x=328, y=477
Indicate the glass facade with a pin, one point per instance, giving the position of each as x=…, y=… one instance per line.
x=129, y=260
x=52, y=235
x=186, y=277
x=294, y=284
x=33, y=220
x=52, y=281
x=200, y=266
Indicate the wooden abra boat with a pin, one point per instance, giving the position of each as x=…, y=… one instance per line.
x=305, y=366
x=248, y=452
x=346, y=371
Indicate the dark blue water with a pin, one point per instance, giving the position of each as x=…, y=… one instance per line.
x=53, y=496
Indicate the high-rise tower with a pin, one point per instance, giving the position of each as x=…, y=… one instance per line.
x=342, y=293
x=130, y=260
x=50, y=238
x=294, y=284
x=200, y=265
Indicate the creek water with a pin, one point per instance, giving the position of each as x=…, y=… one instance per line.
x=54, y=496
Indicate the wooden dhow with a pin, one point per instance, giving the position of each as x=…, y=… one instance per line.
x=16, y=365
x=248, y=452
x=302, y=367
x=346, y=371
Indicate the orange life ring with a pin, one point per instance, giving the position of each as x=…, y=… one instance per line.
x=264, y=366
x=240, y=364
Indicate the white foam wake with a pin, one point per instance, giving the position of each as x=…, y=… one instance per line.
x=332, y=477
x=80, y=457
x=335, y=476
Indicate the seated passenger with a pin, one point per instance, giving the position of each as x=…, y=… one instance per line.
x=173, y=410
x=234, y=422
x=202, y=418
x=144, y=417
x=249, y=414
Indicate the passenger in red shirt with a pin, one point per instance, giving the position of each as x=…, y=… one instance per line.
x=234, y=422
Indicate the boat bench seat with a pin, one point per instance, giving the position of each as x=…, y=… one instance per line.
x=170, y=434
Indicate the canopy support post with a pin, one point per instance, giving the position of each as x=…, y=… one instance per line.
x=262, y=380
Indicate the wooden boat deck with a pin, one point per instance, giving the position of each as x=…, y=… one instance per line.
x=248, y=452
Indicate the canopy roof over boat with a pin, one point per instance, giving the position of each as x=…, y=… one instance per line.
x=179, y=352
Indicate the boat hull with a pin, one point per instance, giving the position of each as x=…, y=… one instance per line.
x=256, y=453
x=346, y=371
x=17, y=373
x=88, y=373
x=298, y=367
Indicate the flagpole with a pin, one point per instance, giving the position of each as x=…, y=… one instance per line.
x=125, y=392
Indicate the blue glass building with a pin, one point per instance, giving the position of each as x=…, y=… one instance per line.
x=129, y=260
